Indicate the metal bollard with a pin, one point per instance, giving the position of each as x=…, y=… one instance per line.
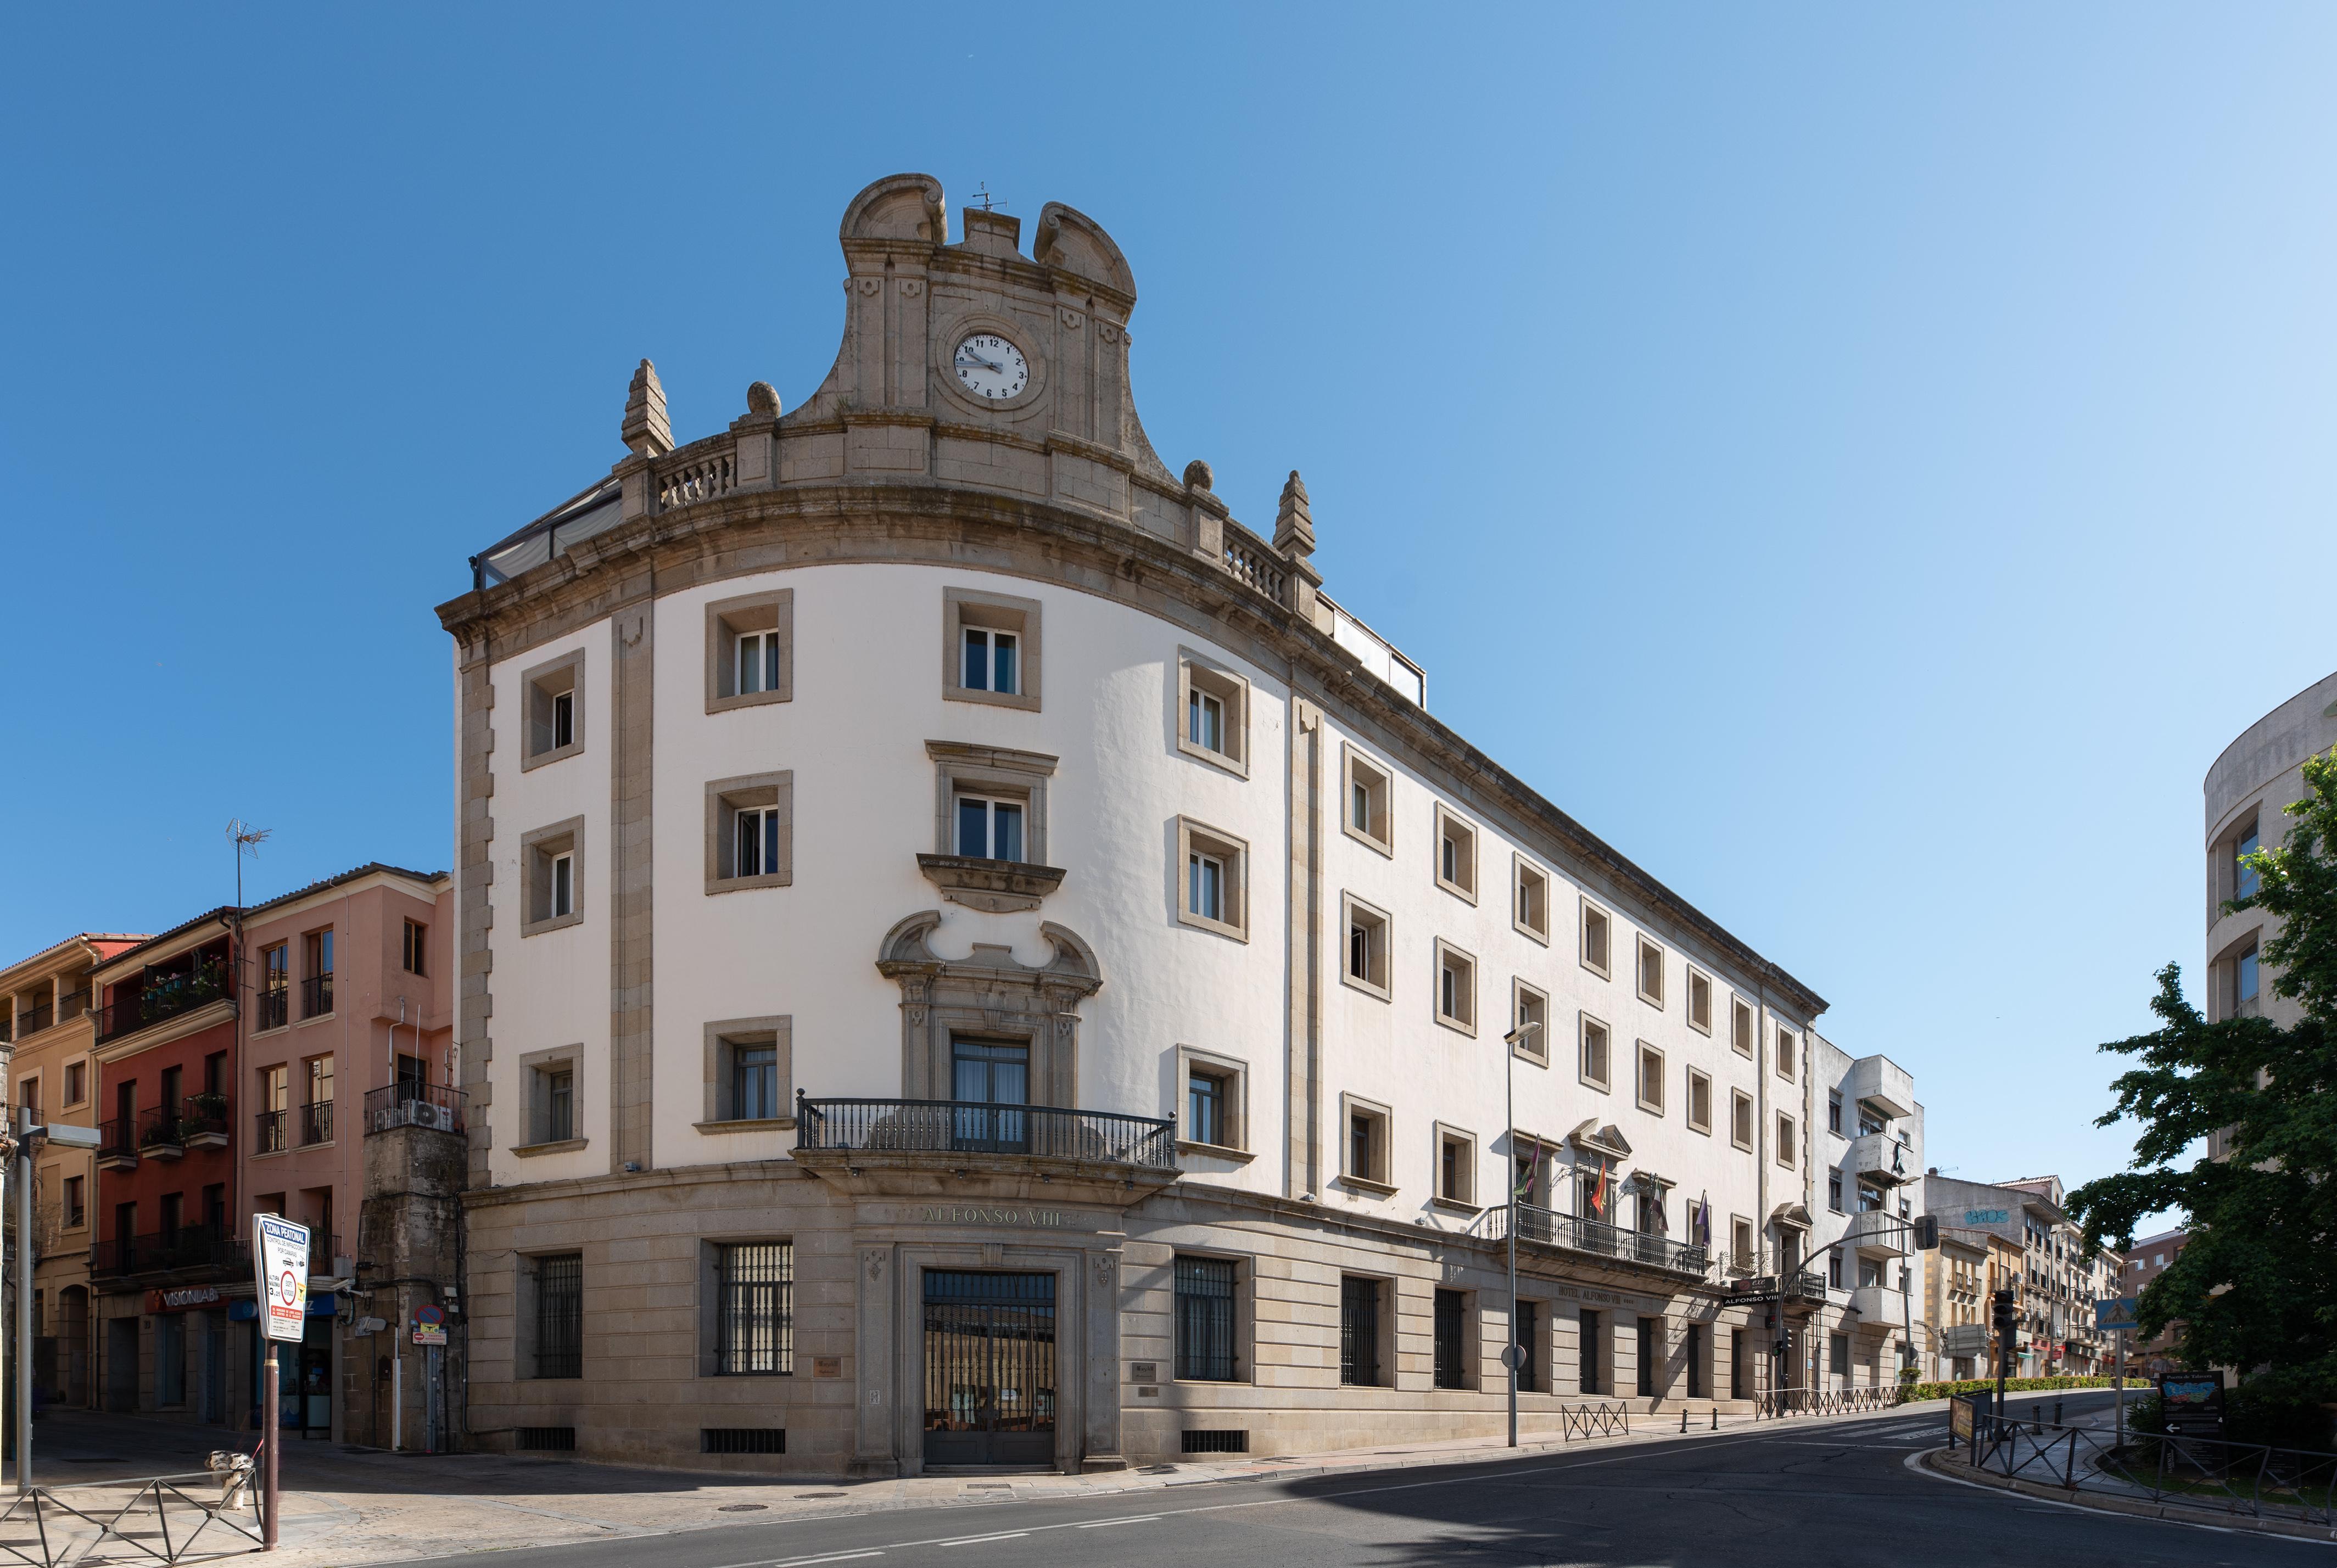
x=2057, y=1413
x=1683, y=1418
x=1716, y=1418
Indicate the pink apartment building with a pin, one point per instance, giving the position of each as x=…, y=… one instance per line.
x=342, y=1097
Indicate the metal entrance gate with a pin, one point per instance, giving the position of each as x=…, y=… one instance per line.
x=990, y=1368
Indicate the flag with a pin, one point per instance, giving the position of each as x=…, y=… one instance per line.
x=1599, y=1195
x=1704, y=1220
x=1526, y=1173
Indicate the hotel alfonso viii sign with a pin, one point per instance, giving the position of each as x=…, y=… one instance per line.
x=1003, y=1216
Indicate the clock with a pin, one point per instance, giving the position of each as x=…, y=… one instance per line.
x=989, y=366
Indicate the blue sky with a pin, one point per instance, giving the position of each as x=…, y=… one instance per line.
x=1865, y=462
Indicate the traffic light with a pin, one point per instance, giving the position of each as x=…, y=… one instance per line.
x=1927, y=1232
x=2007, y=1321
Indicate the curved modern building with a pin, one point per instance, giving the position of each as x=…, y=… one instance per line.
x=970, y=957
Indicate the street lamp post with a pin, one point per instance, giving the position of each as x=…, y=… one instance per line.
x=1514, y=1352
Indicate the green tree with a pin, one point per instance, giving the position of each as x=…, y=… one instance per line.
x=2256, y=1286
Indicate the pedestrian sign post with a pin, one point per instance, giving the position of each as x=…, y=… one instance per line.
x=429, y=1325
x=2114, y=1313
x=279, y=1253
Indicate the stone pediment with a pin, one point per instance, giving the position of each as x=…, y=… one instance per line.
x=993, y=887
x=1606, y=1142
x=1792, y=1214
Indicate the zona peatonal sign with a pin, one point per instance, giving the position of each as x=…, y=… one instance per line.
x=279, y=1250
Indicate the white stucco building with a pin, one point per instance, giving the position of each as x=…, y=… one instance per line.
x=1869, y=1144
x=969, y=957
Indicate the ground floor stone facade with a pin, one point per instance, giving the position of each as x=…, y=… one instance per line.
x=880, y=1256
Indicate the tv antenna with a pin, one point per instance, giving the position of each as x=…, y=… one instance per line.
x=981, y=194
x=246, y=840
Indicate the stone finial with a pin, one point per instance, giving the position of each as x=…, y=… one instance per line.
x=646, y=429
x=1199, y=476
x=1293, y=523
x=762, y=398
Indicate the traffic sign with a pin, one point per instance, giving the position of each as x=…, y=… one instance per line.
x=280, y=1249
x=429, y=1325
x=2115, y=1313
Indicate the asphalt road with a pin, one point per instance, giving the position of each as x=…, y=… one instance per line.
x=1805, y=1497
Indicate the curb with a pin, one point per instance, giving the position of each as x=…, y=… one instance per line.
x=1935, y=1461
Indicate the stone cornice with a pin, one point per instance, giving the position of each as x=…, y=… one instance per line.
x=921, y=521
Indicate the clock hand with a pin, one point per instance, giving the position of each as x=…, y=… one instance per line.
x=971, y=362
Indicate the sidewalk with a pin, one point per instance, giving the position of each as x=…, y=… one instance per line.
x=345, y=1507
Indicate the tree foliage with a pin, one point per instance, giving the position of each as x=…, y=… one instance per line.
x=2256, y=1285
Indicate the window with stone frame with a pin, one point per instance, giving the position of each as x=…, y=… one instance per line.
x=1699, y=1000
x=1366, y=964
x=1456, y=854
x=1651, y=1078
x=1213, y=880
x=749, y=1074
x=1699, y=1101
x=1741, y=1031
x=1365, y=1148
x=552, y=866
x=1213, y=712
x=1366, y=809
x=1456, y=988
x=1595, y=1066
x=1530, y=1017
x=553, y=1314
x=1456, y=1166
x=1215, y=1090
x=750, y=658
x=1740, y=1119
x=551, y=695
x=1651, y=973
x=991, y=648
x=1530, y=899
x=751, y=832
x=1597, y=938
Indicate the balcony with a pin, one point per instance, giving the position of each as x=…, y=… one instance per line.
x=965, y=1127
x=161, y=999
x=1884, y=1084
x=1879, y=1157
x=189, y=1248
x=1879, y=1304
x=271, y=1132
x=425, y=1105
x=317, y=996
x=203, y=1121
x=117, y=1144
x=1877, y=1233
x=1572, y=1233
x=33, y=1020
x=158, y=1136
x=315, y=1124
x=1799, y=1285
x=271, y=1010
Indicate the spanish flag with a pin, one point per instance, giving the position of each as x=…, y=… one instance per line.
x=1599, y=1197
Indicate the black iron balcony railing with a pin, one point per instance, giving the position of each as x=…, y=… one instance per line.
x=188, y=1247
x=429, y=1106
x=160, y=1000
x=316, y=1123
x=33, y=1020
x=118, y=1138
x=271, y=1010
x=957, y=1126
x=316, y=996
x=1576, y=1235
x=271, y=1132
x=157, y=1134
x=1796, y=1285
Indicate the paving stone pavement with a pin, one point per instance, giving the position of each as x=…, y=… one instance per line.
x=348, y=1506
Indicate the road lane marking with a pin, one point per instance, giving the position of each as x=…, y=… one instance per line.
x=978, y=1540
x=1107, y=1524
x=829, y=1557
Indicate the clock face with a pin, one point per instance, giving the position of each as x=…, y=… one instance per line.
x=989, y=366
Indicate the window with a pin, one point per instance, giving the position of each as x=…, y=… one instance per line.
x=992, y=648
x=1205, y=1108
x=1366, y=810
x=754, y=1327
x=1651, y=1078
x=1699, y=1364
x=1699, y=1001
x=76, y=1083
x=1529, y=900
x=1787, y=1042
x=750, y=839
x=552, y=857
x=1594, y=1052
x=1359, y=1331
x=2244, y=881
x=1651, y=973
x=1590, y=1349
x=1214, y=886
x=1451, y=1319
x=1367, y=947
x=1597, y=931
x=275, y=1130
x=414, y=949
x=1366, y=1143
x=275, y=998
x=1740, y=1244
x=1786, y=1142
x=316, y=988
x=2245, y=981
x=1530, y=1014
x=315, y=1124
x=1740, y=1119
x=76, y=1202
x=558, y=1316
x=1834, y=1111
x=1699, y=1101
x=750, y=650
x=989, y=828
x=1456, y=988
x=1838, y=1351
x=1740, y=1028
x=1205, y=1320
x=1456, y=855
x=755, y=1083
x=1527, y=1340
x=1833, y=1191
x=1456, y=1166
x=1213, y=706
x=1649, y=1352
x=551, y=695
x=549, y=1078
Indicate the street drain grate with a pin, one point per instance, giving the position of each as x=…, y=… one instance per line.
x=742, y=1507
x=822, y=1496
x=989, y=1487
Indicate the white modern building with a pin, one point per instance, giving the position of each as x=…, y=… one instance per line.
x=969, y=957
x=1868, y=1142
